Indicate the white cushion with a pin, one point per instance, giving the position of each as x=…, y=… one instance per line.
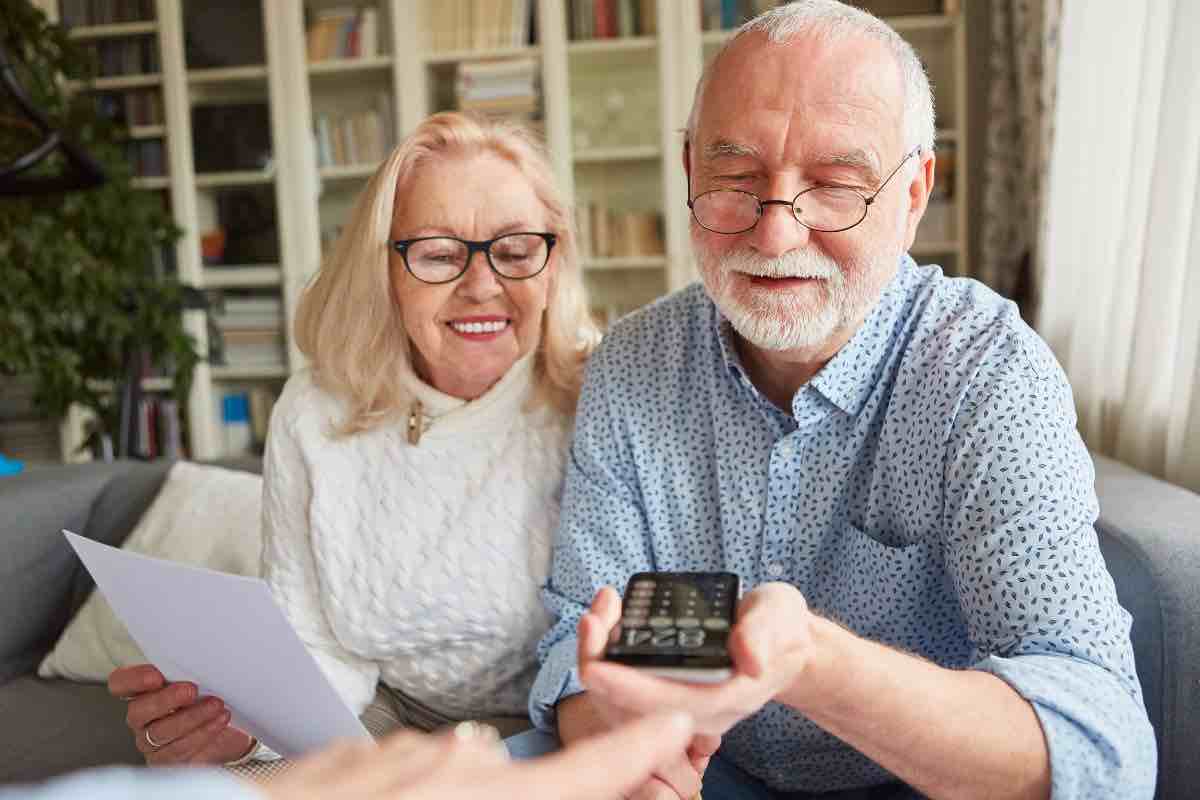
x=204, y=516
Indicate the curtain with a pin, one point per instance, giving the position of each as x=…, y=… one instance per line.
x=1120, y=292
x=1022, y=53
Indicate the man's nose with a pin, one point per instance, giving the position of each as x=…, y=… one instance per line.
x=778, y=231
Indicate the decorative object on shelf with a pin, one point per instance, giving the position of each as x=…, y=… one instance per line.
x=80, y=300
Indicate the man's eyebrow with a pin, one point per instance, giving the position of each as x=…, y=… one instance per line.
x=859, y=160
x=724, y=148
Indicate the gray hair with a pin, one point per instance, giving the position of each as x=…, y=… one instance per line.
x=834, y=21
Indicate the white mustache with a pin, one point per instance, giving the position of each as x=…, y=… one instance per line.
x=791, y=265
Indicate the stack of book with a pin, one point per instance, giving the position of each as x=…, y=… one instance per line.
x=251, y=328
x=245, y=415
x=479, y=24
x=363, y=137
x=104, y=12
x=135, y=107
x=606, y=233
x=158, y=433
x=343, y=32
x=608, y=19
x=506, y=88
x=147, y=157
x=130, y=56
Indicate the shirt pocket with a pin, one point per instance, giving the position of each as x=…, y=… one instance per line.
x=894, y=594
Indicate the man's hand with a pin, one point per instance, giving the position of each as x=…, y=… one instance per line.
x=771, y=645
x=414, y=766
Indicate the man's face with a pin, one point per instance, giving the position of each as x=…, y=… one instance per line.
x=780, y=118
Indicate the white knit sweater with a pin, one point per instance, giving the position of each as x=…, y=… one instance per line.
x=417, y=565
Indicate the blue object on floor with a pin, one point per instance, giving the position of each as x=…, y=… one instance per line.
x=10, y=467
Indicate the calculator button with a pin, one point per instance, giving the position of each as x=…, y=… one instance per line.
x=687, y=622
x=712, y=624
x=644, y=584
x=660, y=622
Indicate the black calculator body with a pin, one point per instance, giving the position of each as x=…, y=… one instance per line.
x=676, y=625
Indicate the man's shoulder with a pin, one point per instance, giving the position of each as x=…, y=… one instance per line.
x=964, y=338
x=657, y=337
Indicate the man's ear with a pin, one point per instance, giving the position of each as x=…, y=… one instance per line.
x=919, y=190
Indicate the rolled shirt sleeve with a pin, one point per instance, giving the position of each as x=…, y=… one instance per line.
x=603, y=537
x=1039, y=604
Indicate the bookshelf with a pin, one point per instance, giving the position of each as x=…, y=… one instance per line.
x=334, y=83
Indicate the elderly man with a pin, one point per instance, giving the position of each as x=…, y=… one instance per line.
x=885, y=455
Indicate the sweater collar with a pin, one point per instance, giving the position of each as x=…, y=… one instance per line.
x=445, y=414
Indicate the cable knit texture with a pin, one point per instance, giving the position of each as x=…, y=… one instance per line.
x=417, y=565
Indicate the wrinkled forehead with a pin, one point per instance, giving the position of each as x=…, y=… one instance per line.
x=790, y=100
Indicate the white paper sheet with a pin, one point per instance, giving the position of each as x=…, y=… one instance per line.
x=225, y=634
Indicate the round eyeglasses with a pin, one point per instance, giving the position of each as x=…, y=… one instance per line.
x=829, y=209
x=442, y=259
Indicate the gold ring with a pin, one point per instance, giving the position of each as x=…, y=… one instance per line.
x=151, y=742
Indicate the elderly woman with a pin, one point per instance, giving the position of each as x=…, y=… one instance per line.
x=413, y=472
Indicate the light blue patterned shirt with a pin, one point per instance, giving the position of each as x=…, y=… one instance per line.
x=928, y=491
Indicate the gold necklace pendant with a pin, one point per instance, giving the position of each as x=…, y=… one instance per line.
x=416, y=423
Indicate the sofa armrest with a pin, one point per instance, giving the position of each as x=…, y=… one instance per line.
x=41, y=581
x=1150, y=536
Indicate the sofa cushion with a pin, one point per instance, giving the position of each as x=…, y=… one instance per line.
x=52, y=727
x=203, y=515
x=39, y=571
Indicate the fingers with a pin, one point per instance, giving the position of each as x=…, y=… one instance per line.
x=181, y=750
x=771, y=632
x=656, y=789
x=680, y=776
x=126, y=682
x=229, y=744
x=183, y=722
x=597, y=768
x=157, y=704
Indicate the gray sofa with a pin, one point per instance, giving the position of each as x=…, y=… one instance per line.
x=1149, y=532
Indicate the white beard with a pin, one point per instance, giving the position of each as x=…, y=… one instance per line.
x=774, y=319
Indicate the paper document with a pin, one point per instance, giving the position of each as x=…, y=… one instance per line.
x=225, y=634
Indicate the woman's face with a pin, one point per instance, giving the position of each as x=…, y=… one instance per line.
x=468, y=333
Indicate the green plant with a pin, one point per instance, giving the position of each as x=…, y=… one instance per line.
x=78, y=290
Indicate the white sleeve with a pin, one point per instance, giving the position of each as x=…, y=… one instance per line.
x=289, y=568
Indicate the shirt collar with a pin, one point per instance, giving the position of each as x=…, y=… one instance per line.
x=850, y=376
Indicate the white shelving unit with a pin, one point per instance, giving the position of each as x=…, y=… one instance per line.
x=644, y=85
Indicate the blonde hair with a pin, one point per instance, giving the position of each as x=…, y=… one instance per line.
x=348, y=322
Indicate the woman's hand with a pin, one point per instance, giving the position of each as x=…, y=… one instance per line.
x=171, y=724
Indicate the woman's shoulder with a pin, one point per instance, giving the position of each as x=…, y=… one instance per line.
x=304, y=399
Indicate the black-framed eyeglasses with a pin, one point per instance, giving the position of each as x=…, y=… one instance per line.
x=829, y=209
x=442, y=259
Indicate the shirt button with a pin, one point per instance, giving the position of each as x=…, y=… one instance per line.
x=775, y=569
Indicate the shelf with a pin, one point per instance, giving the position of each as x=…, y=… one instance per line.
x=153, y=182
x=147, y=131
x=113, y=31
x=156, y=384
x=117, y=83
x=336, y=66
x=220, y=180
x=620, y=44
x=249, y=373
x=902, y=23
x=237, y=277
x=626, y=262
x=347, y=172
x=454, y=56
x=602, y=155
x=253, y=72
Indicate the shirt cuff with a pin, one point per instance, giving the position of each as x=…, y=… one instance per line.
x=1099, y=738
x=557, y=680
